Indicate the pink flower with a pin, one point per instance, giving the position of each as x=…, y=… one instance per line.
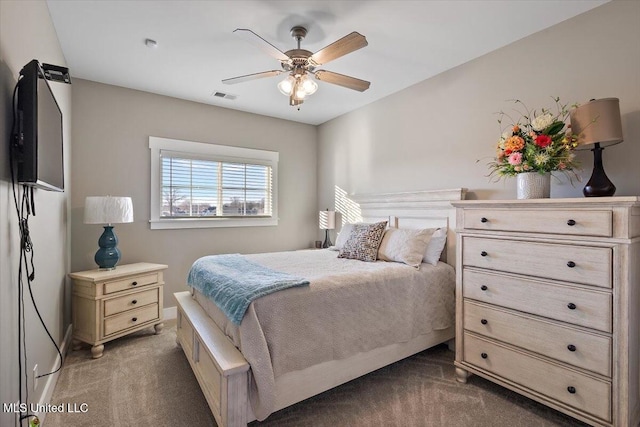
x=515, y=158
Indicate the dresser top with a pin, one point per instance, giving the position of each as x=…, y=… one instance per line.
x=553, y=203
x=119, y=271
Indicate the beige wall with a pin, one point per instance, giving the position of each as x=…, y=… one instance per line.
x=26, y=32
x=110, y=155
x=441, y=133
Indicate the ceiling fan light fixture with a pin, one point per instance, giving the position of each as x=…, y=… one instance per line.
x=309, y=86
x=286, y=86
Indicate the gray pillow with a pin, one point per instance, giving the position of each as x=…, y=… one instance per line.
x=363, y=242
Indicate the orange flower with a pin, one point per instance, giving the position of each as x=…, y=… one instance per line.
x=515, y=143
x=516, y=129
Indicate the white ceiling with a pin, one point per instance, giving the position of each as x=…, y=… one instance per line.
x=409, y=41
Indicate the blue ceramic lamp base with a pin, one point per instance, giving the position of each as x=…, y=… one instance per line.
x=108, y=255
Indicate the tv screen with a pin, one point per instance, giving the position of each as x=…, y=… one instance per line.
x=40, y=152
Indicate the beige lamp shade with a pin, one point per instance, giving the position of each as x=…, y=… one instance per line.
x=597, y=121
x=108, y=210
x=327, y=220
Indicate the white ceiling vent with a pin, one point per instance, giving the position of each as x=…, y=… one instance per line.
x=224, y=95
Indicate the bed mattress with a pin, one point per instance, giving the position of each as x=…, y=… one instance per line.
x=349, y=307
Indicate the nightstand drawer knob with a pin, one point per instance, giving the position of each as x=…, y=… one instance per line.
x=571, y=347
x=571, y=223
x=135, y=301
x=484, y=355
x=571, y=264
x=134, y=283
x=483, y=219
x=484, y=321
x=483, y=253
x=571, y=389
x=484, y=287
x=571, y=306
x=135, y=319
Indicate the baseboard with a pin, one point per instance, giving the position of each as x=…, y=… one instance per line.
x=52, y=380
x=169, y=313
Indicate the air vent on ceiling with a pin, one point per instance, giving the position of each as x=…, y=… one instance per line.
x=224, y=95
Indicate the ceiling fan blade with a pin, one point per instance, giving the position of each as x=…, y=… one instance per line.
x=342, y=80
x=258, y=41
x=242, y=79
x=341, y=47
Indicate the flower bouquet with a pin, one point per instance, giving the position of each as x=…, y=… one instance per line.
x=537, y=142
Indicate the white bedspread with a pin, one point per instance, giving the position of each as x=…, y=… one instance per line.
x=350, y=307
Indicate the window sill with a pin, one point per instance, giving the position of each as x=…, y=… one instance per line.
x=167, y=224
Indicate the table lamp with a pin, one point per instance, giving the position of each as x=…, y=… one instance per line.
x=327, y=222
x=107, y=210
x=598, y=122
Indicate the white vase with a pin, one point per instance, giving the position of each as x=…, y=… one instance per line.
x=532, y=185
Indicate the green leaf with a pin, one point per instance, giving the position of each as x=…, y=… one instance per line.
x=554, y=128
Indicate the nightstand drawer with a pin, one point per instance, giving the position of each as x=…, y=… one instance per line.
x=582, y=349
x=130, y=319
x=581, y=264
x=131, y=301
x=130, y=283
x=592, y=309
x=577, y=223
x=568, y=386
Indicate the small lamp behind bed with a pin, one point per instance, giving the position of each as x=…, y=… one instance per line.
x=327, y=222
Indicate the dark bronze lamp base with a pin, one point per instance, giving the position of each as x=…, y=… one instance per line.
x=599, y=184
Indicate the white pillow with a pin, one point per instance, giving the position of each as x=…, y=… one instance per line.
x=342, y=237
x=405, y=245
x=435, y=246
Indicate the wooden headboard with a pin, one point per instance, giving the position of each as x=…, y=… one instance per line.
x=415, y=209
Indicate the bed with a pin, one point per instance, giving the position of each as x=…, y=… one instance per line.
x=289, y=347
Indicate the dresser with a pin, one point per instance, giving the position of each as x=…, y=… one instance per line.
x=548, y=302
x=108, y=304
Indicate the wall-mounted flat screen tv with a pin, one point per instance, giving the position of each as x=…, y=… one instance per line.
x=40, y=144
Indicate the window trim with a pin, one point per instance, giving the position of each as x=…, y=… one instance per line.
x=238, y=154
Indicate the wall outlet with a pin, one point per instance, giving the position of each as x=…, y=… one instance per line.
x=35, y=377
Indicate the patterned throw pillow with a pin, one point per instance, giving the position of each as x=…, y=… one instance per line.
x=363, y=242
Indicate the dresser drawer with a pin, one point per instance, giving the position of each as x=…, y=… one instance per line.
x=581, y=264
x=130, y=301
x=592, y=309
x=578, y=223
x=130, y=283
x=130, y=319
x=549, y=379
x=582, y=349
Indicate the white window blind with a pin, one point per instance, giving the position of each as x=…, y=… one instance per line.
x=211, y=182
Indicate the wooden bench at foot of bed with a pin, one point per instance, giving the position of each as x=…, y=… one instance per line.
x=220, y=368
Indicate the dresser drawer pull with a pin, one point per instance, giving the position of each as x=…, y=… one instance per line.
x=483, y=219
x=134, y=283
x=484, y=287
x=483, y=253
x=571, y=223
x=135, y=301
x=571, y=306
x=571, y=389
x=484, y=321
x=571, y=347
x=135, y=319
x=484, y=355
x=571, y=264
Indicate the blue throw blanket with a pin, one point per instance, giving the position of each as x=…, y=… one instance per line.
x=232, y=282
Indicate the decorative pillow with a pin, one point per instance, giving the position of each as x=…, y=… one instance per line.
x=343, y=236
x=405, y=245
x=364, y=242
x=435, y=246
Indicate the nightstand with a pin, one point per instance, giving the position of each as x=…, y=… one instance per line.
x=108, y=304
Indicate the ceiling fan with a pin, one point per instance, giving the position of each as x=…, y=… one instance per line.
x=301, y=63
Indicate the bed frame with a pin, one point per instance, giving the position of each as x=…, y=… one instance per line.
x=223, y=372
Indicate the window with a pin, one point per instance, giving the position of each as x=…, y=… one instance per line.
x=196, y=185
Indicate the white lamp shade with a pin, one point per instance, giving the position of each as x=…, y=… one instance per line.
x=107, y=210
x=327, y=220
